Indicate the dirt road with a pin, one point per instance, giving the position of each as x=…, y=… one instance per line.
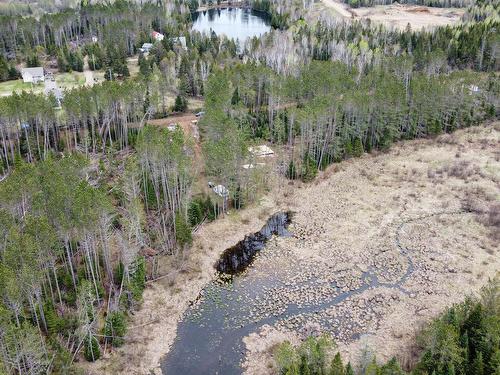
x=338, y=8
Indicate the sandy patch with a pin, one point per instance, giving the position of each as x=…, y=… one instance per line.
x=399, y=15
x=419, y=17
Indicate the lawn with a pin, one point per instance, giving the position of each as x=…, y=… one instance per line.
x=7, y=88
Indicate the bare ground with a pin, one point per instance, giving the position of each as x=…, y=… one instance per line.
x=399, y=15
x=346, y=222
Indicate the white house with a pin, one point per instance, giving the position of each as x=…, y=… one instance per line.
x=157, y=36
x=51, y=88
x=33, y=75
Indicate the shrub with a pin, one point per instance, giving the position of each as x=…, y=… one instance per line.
x=115, y=328
x=357, y=148
x=182, y=230
x=138, y=279
x=92, y=349
x=195, y=212
x=309, y=169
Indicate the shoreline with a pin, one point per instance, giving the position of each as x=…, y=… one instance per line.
x=154, y=325
x=166, y=301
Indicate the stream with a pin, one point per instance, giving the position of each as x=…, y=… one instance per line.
x=244, y=297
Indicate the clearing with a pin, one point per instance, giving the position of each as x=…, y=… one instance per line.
x=380, y=245
x=399, y=15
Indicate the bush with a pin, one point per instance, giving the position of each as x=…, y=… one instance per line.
x=309, y=169
x=118, y=274
x=138, y=279
x=195, y=212
x=357, y=148
x=181, y=104
x=291, y=172
x=115, y=328
x=182, y=230
x=92, y=349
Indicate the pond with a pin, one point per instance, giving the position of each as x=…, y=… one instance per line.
x=259, y=284
x=235, y=23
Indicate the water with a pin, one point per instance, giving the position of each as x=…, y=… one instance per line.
x=237, y=258
x=254, y=290
x=235, y=23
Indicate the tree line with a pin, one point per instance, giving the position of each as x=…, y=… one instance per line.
x=462, y=340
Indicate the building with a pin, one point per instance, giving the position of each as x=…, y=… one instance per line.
x=146, y=47
x=33, y=75
x=157, y=36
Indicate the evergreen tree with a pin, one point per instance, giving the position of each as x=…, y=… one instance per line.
x=337, y=367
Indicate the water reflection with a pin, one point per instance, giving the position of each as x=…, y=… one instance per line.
x=235, y=23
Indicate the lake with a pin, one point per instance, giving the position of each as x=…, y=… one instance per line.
x=235, y=23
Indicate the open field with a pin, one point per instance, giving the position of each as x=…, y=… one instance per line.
x=397, y=15
x=380, y=245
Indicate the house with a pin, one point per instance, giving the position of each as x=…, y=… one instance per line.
x=181, y=41
x=33, y=75
x=157, y=36
x=146, y=47
x=172, y=126
x=261, y=151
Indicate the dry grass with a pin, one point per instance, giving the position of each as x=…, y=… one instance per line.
x=347, y=219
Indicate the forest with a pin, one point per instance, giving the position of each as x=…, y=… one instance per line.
x=92, y=197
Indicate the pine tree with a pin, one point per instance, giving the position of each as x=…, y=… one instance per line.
x=182, y=231
x=92, y=350
x=337, y=367
x=478, y=365
x=115, y=328
x=357, y=148
x=349, y=370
